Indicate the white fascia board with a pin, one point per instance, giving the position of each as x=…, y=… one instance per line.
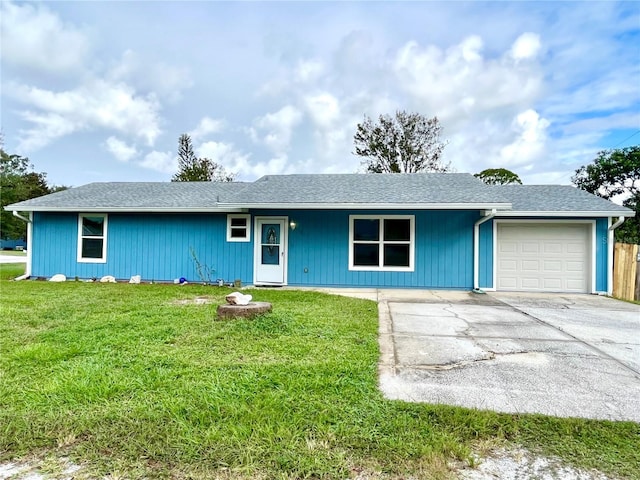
x=129, y=209
x=373, y=206
x=528, y=213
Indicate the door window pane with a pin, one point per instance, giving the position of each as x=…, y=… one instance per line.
x=270, y=255
x=271, y=234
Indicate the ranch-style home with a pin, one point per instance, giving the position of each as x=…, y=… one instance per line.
x=428, y=230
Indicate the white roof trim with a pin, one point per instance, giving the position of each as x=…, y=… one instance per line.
x=568, y=213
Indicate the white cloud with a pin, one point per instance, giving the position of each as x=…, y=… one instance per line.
x=96, y=104
x=35, y=38
x=163, y=162
x=308, y=70
x=206, y=127
x=166, y=80
x=529, y=144
x=526, y=46
x=324, y=109
x=226, y=155
x=120, y=149
x=460, y=82
x=275, y=129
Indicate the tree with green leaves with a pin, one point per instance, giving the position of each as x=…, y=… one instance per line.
x=18, y=182
x=194, y=169
x=615, y=173
x=404, y=143
x=498, y=176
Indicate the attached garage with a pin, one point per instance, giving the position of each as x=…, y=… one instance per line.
x=544, y=256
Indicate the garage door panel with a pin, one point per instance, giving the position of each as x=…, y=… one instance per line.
x=575, y=266
x=509, y=247
x=575, y=248
x=551, y=284
x=508, y=265
x=552, y=266
x=531, y=283
x=551, y=248
x=530, y=266
x=543, y=257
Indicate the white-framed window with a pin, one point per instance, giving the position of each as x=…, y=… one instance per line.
x=238, y=228
x=92, y=237
x=382, y=242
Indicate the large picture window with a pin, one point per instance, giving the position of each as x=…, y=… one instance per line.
x=92, y=238
x=381, y=242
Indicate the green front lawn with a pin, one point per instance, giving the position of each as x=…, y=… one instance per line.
x=126, y=379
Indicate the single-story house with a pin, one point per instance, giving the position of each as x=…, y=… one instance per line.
x=427, y=230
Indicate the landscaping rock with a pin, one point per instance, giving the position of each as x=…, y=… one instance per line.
x=135, y=279
x=108, y=279
x=237, y=298
x=58, y=277
x=243, y=311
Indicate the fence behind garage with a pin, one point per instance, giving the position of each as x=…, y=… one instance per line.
x=626, y=272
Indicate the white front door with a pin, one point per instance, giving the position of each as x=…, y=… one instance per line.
x=270, y=251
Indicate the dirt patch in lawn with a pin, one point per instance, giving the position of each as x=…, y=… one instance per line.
x=195, y=301
x=504, y=463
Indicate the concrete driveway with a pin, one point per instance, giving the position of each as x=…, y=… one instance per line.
x=555, y=354
x=4, y=258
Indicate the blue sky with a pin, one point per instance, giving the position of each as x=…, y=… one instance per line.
x=100, y=91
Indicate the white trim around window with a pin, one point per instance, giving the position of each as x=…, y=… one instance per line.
x=92, y=240
x=238, y=228
x=383, y=245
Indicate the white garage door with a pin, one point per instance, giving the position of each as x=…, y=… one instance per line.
x=544, y=257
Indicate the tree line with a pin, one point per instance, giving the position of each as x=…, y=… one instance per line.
x=403, y=143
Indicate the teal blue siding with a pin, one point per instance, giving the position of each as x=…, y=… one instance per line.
x=319, y=250
x=485, y=263
x=155, y=246
x=601, y=254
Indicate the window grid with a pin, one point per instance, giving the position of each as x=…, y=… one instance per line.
x=85, y=239
x=238, y=228
x=381, y=242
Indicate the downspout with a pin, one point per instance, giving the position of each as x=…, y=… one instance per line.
x=610, y=243
x=29, y=221
x=476, y=247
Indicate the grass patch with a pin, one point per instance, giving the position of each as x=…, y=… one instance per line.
x=9, y=271
x=123, y=378
x=14, y=253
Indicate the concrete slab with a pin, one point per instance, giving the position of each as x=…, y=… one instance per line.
x=13, y=258
x=564, y=355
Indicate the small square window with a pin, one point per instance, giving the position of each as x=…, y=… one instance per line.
x=238, y=228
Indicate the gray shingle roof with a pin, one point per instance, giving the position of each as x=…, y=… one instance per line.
x=136, y=196
x=417, y=188
x=556, y=198
x=424, y=190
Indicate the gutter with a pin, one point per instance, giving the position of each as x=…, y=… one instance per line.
x=610, y=242
x=29, y=221
x=476, y=246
